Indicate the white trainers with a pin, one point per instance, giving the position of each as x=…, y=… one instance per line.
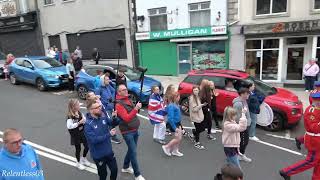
x=254, y=138
x=243, y=157
x=84, y=161
x=177, y=153
x=80, y=166
x=139, y=178
x=166, y=151
x=128, y=170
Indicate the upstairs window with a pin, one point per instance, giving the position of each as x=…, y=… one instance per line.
x=200, y=14
x=158, y=19
x=269, y=7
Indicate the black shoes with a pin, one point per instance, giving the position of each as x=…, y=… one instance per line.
x=298, y=143
x=285, y=177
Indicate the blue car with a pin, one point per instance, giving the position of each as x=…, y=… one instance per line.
x=42, y=71
x=85, y=81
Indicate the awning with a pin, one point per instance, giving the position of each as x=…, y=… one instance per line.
x=199, y=39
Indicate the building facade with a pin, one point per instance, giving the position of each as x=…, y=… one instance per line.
x=177, y=36
x=278, y=38
x=88, y=24
x=20, y=30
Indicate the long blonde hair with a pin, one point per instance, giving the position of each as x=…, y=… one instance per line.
x=72, y=103
x=169, y=91
x=228, y=114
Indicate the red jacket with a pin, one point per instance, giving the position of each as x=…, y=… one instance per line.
x=312, y=126
x=122, y=112
x=312, y=92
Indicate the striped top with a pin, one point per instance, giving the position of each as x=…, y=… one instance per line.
x=156, y=109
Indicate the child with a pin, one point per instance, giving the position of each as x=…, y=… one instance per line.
x=170, y=89
x=6, y=70
x=75, y=125
x=174, y=120
x=206, y=98
x=156, y=113
x=231, y=134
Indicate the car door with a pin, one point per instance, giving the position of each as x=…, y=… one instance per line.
x=29, y=73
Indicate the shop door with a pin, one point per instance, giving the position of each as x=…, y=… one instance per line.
x=184, y=58
x=295, y=63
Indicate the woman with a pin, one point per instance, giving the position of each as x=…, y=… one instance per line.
x=214, y=104
x=196, y=116
x=71, y=73
x=9, y=59
x=205, y=96
x=75, y=125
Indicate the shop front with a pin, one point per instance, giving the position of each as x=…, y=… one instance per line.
x=175, y=52
x=278, y=52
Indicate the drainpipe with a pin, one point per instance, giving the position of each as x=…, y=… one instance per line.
x=23, y=6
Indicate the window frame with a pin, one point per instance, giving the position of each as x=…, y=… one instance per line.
x=312, y=8
x=48, y=4
x=270, y=14
x=198, y=10
x=157, y=14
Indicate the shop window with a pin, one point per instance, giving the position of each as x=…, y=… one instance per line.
x=262, y=61
x=208, y=55
x=268, y=7
x=298, y=40
x=316, y=5
x=199, y=14
x=47, y=2
x=158, y=19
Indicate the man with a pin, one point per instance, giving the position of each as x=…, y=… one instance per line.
x=129, y=126
x=96, y=55
x=240, y=103
x=312, y=142
x=229, y=172
x=77, y=62
x=300, y=140
x=18, y=160
x=107, y=94
x=310, y=72
x=121, y=78
x=97, y=133
x=78, y=51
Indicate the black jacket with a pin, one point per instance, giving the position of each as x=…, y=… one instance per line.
x=77, y=64
x=254, y=102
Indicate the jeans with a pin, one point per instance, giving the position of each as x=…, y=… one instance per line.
x=252, y=130
x=233, y=160
x=309, y=82
x=102, y=167
x=131, y=156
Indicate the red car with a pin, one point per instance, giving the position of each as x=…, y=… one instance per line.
x=286, y=106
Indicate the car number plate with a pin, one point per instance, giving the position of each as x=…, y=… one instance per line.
x=65, y=80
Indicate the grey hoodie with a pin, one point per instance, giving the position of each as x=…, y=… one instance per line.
x=239, y=104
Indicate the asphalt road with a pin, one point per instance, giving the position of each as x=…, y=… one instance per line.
x=41, y=118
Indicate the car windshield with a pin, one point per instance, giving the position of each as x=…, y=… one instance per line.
x=46, y=63
x=261, y=86
x=132, y=74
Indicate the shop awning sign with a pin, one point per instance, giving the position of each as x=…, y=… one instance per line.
x=176, y=33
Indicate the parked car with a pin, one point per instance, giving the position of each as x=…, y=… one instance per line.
x=2, y=62
x=84, y=81
x=42, y=71
x=286, y=106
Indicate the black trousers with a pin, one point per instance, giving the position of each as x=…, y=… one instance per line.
x=102, y=164
x=71, y=82
x=244, y=140
x=199, y=128
x=78, y=150
x=309, y=82
x=208, y=121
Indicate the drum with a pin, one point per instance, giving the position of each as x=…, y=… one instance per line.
x=265, y=117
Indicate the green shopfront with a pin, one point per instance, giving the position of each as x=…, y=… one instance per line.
x=178, y=51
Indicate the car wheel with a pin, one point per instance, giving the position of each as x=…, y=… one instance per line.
x=82, y=92
x=40, y=84
x=277, y=123
x=13, y=79
x=185, y=106
x=133, y=97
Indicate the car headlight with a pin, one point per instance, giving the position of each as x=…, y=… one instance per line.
x=290, y=103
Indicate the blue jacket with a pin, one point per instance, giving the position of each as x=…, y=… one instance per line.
x=98, y=136
x=254, y=102
x=106, y=94
x=174, y=115
x=25, y=166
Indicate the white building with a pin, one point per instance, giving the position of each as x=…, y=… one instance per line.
x=187, y=34
x=89, y=24
x=272, y=40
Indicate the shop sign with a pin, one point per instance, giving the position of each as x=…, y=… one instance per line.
x=8, y=9
x=283, y=27
x=189, y=32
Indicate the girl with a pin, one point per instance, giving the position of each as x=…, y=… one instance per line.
x=205, y=96
x=71, y=72
x=156, y=113
x=75, y=125
x=174, y=120
x=169, y=91
x=214, y=104
x=9, y=59
x=231, y=134
x=196, y=115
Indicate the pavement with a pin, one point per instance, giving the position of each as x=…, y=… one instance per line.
x=41, y=118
